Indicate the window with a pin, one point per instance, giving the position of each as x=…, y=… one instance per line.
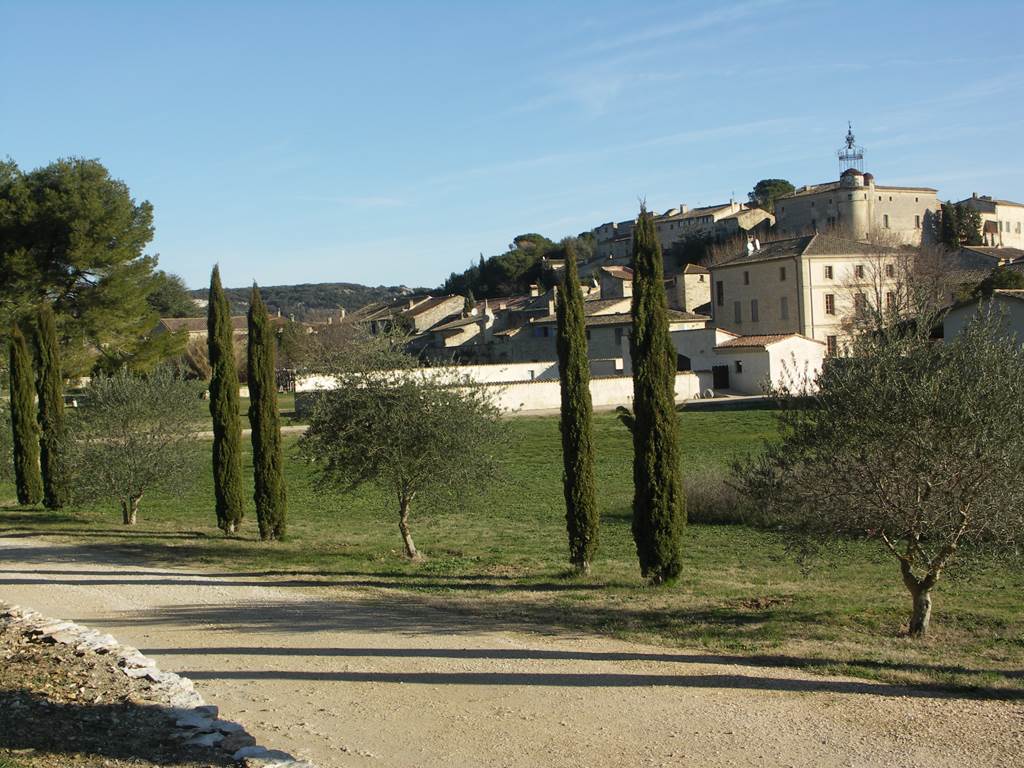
x=737, y=309
x=890, y=301
x=830, y=304
x=917, y=222
x=746, y=278
x=885, y=220
x=832, y=345
x=812, y=203
x=739, y=366
x=784, y=308
x=828, y=272
x=858, y=271
x=850, y=196
x=720, y=293
x=782, y=209
x=890, y=270
x=540, y=331
x=753, y=310
x=618, y=337
x=700, y=278
x=860, y=302
x=782, y=274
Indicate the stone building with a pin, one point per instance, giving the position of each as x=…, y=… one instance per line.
x=857, y=208
x=806, y=285
x=1002, y=221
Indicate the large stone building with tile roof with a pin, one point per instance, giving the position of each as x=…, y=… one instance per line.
x=806, y=285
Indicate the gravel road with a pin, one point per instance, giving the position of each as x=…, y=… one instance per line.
x=356, y=680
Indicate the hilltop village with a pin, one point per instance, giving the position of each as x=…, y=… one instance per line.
x=774, y=285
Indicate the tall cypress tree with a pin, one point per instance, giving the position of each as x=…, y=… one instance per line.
x=27, y=478
x=658, y=505
x=227, y=431
x=267, y=455
x=581, y=516
x=50, y=389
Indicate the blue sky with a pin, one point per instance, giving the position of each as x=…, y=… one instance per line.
x=393, y=142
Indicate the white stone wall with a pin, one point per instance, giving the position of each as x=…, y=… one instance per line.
x=605, y=393
x=958, y=319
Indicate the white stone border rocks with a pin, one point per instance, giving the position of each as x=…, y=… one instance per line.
x=188, y=715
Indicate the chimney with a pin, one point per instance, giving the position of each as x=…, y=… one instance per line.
x=974, y=195
x=684, y=208
x=750, y=245
x=534, y=289
x=757, y=244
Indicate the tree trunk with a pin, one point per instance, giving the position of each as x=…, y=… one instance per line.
x=403, y=527
x=921, y=593
x=922, y=613
x=130, y=510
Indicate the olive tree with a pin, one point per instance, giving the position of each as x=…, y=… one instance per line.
x=419, y=434
x=911, y=443
x=135, y=434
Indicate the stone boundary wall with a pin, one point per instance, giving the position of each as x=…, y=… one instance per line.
x=194, y=721
x=545, y=395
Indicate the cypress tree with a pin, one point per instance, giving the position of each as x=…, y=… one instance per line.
x=581, y=514
x=658, y=505
x=27, y=478
x=267, y=454
x=227, y=431
x=50, y=389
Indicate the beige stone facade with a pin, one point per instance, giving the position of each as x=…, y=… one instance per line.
x=803, y=285
x=1002, y=221
x=855, y=207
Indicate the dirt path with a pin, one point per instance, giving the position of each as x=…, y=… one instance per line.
x=354, y=681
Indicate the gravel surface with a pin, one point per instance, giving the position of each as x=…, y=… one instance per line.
x=360, y=680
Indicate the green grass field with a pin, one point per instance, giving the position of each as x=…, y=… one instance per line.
x=504, y=555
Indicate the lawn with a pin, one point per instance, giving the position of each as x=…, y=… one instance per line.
x=505, y=554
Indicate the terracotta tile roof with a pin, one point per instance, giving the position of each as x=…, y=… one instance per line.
x=743, y=342
x=695, y=269
x=805, y=245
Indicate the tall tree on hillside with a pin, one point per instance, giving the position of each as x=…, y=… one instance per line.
x=581, y=515
x=24, y=426
x=658, y=505
x=767, y=191
x=227, y=431
x=50, y=389
x=72, y=236
x=267, y=454
x=949, y=226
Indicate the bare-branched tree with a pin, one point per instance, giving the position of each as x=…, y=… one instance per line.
x=135, y=434
x=909, y=442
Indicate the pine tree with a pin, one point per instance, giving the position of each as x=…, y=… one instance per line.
x=227, y=431
x=658, y=505
x=25, y=428
x=470, y=302
x=267, y=454
x=50, y=391
x=581, y=515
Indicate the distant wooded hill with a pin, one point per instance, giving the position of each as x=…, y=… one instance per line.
x=312, y=301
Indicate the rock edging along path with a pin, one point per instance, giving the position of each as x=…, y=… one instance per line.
x=356, y=677
x=188, y=716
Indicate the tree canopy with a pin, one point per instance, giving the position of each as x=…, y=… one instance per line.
x=419, y=437
x=72, y=236
x=911, y=443
x=767, y=191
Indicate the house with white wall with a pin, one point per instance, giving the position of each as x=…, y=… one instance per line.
x=1010, y=303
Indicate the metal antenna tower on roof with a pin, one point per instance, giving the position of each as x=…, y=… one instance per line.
x=850, y=155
